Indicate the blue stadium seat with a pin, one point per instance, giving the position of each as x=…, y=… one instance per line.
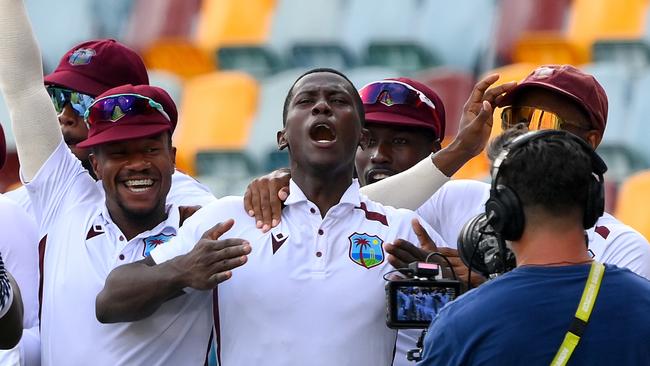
x=457, y=32
x=168, y=81
x=262, y=137
x=637, y=129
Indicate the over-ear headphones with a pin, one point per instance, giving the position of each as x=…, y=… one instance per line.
x=482, y=250
x=503, y=209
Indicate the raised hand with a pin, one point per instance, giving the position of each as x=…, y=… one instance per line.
x=211, y=260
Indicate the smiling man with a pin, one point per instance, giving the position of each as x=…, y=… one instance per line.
x=312, y=289
x=91, y=231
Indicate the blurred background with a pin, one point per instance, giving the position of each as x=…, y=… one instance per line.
x=228, y=64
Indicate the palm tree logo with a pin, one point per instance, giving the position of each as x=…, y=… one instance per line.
x=366, y=250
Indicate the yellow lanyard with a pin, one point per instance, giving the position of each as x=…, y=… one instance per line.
x=586, y=305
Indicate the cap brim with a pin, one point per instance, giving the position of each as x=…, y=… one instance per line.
x=124, y=132
x=76, y=81
x=397, y=120
x=3, y=148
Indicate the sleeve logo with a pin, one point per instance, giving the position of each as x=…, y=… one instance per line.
x=153, y=241
x=366, y=250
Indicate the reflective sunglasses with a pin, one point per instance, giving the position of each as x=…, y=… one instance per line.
x=390, y=92
x=534, y=118
x=61, y=97
x=113, y=107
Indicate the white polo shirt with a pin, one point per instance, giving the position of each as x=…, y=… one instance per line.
x=82, y=246
x=611, y=241
x=312, y=291
x=19, y=251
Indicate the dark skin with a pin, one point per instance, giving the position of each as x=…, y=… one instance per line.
x=264, y=196
x=11, y=324
x=323, y=130
x=74, y=131
x=136, y=176
x=392, y=149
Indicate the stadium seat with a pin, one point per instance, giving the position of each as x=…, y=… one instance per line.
x=234, y=22
x=308, y=55
x=453, y=87
x=179, y=57
x=168, y=81
x=546, y=48
x=151, y=20
x=262, y=138
x=592, y=20
x=307, y=22
x=59, y=27
x=634, y=54
x=405, y=57
x=255, y=60
x=216, y=114
x=633, y=202
x=516, y=17
x=456, y=32
x=637, y=130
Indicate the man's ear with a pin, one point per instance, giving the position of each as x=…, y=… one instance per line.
x=96, y=166
x=173, y=156
x=365, y=138
x=282, y=141
x=593, y=138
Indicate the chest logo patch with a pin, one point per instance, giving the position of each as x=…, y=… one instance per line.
x=366, y=250
x=153, y=241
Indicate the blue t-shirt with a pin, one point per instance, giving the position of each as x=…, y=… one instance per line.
x=522, y=318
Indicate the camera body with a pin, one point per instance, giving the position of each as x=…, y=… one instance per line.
x=413, y=302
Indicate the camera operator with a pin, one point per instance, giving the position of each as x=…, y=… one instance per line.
x=537, y=313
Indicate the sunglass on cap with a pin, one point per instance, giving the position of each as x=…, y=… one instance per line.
x=390, y=92
x=534, y=118
x=113, y=107
x=61, y=97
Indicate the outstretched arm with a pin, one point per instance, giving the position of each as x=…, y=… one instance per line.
x=34, y=120
x=135, y=291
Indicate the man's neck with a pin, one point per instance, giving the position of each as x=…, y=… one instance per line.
x=325, y=191
x=551, y=247
x=132, y=225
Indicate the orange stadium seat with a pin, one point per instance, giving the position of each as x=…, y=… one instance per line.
x=589, y=21
x=179, y=57
x=479, y=167
x=234, y=22
x=519, y=16
x=216, y=114
x=633, y=202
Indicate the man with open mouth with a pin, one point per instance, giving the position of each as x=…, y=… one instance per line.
x=311, y=290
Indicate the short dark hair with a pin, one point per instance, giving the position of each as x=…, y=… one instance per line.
x=357, y=98
x=496, y=144
x=552, y=173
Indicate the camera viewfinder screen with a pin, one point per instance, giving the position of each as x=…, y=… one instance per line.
x=421, y=304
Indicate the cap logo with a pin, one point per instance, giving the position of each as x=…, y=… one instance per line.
x=543, y=72
x=81, y=56
x=385, y=99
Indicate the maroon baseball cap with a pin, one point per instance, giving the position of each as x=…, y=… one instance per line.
x=568, y=81
x=3, y=147
x=132, y=126
x=95, y=66
x=380, y=106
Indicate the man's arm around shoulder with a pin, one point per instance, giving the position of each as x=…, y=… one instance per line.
x=135, y=291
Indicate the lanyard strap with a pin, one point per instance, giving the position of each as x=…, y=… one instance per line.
x=586, y=305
